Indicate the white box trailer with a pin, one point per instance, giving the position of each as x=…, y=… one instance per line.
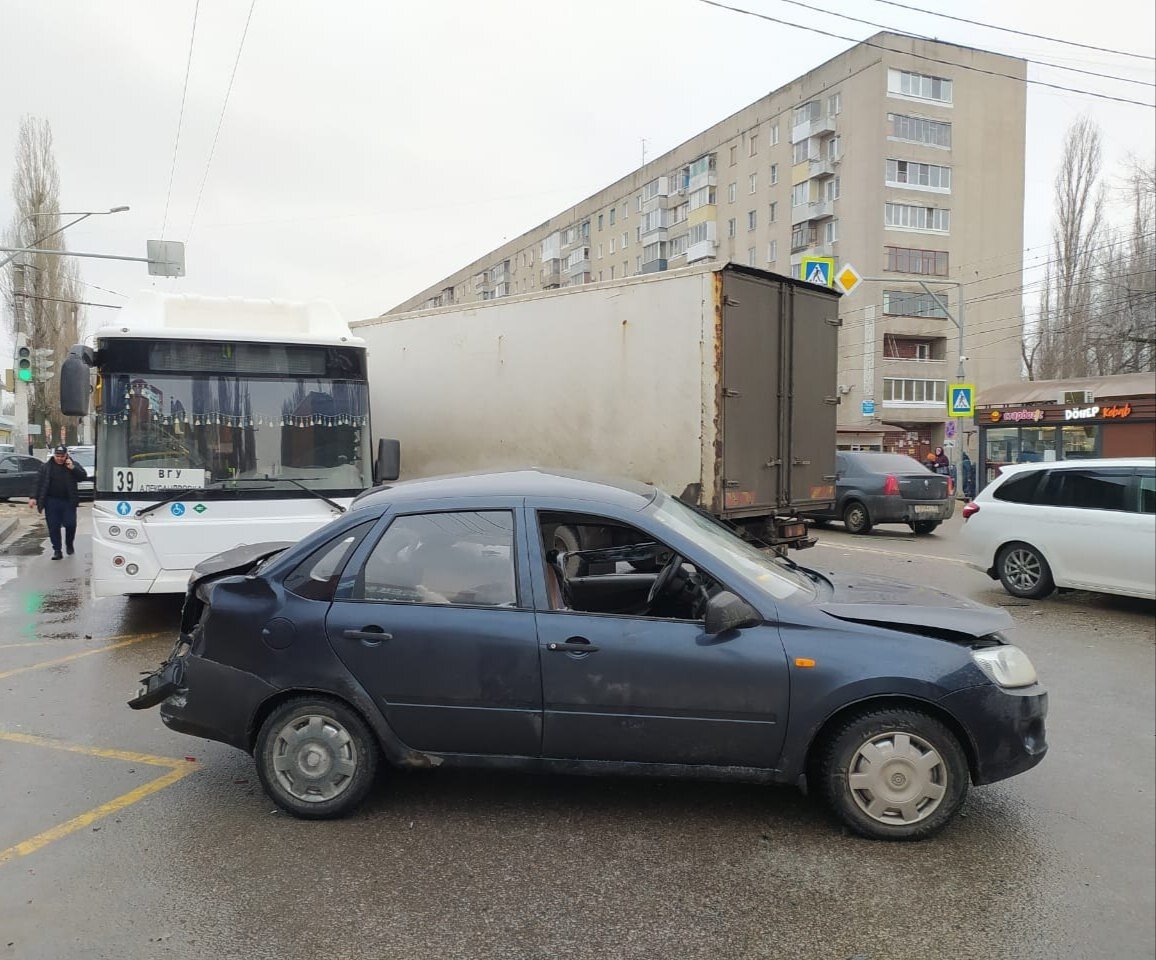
x=716, y=384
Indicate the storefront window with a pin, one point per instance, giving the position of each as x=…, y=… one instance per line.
x=1080, y=441
x=1001, y=447
x=1037, y=444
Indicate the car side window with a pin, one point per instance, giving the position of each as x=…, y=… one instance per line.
x=1021, y=489
x=316, y=577
x=8, y=465
x=464, y=558
x=1147, y=491
x=1092, y=489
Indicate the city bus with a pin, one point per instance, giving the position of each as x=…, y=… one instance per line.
x=218, y=423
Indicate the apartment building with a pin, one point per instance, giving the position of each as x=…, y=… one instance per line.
x=903, y=157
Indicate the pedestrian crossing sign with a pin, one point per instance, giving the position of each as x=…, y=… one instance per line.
x=961, y=400
x=818, y=270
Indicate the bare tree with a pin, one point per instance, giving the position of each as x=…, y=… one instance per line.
x=44, y=287
x=1060, y=342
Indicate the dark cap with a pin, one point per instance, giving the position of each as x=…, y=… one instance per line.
x=61, y=449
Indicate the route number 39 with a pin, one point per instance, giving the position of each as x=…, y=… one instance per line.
x=124, y=481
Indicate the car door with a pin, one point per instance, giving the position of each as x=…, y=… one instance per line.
x=1086, y=525
x=1138, y=566
x=633, y=688
x=434, y=619
x=10, y=481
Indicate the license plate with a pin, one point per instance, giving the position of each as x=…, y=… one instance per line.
x=927, y=508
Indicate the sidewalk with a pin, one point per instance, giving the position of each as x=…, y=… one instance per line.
x=11, y=511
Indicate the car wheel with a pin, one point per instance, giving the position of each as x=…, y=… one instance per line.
x=1024, y=572
x=856, y=518
x=924, y=527
x=316, y=758
x=894, y=774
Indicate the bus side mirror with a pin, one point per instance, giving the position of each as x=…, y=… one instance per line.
x=388, y=465
x=76, y=381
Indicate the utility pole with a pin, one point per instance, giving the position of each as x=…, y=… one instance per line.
x=20, y=388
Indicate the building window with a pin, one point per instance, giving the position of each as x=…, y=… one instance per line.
x=701, y=232
x=625, y=240
x=753, y=142
x=599, y=276
x=807, y=112
x=774, y=174
x=732, y=227
x=751, y=257
x=931, y=263
x=734, y=154
x=917, y=176
x=773, y=251
x=752, y=220
x=903, y=303
x=931, y=133
x=599, y=221
x=638, y=264
x=833, y=188
x=753, y=183
x=612, y=246
x=703, y=196
x=626, y=211
x=802, y=236
x=904, y=83
x=678, y=245
x=910, y=217
x=680, y=213
x=834, y=148
x=732, y=192
x=774, y=212
x=775, y=133
x=800, y=194
x=612, y=216
x=801, y=152
x=905, y=348
x=832, y=228
x=612, y=273
x=925, y=393
x=834, y=104
x=599, y=251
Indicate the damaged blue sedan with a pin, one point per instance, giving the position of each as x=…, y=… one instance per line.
x=552, y=622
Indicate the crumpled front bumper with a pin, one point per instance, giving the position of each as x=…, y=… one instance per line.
x=163, y=682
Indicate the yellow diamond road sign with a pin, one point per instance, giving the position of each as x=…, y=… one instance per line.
x=848, y=278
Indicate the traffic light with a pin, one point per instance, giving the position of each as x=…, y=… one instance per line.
x=23, y=359
x=42, y=364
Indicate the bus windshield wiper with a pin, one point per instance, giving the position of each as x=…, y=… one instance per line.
x=223, y=484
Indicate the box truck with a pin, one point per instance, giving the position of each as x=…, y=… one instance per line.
x=716, y=383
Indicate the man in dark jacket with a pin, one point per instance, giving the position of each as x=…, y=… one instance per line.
x=57, y=497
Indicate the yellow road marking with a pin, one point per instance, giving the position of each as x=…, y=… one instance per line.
x=886, y=553
x=4, y=674
x=52, y=640
x=177, y=770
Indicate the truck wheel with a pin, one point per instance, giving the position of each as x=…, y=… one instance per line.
x=893, y=774
x=924, y=527
x=1024, y=572
x=316, y=758
x=856, y=518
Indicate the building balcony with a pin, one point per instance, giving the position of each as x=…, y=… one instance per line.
x=654, y=266
x=655, y=234
x=578, y=267
x=813, y=128
x=821, y=167
x=551, y=273
x=703, y=250
x=815, y=210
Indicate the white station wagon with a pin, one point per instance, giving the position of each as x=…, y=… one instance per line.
x=1082, y=524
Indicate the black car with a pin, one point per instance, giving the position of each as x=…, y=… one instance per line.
x=873, y=487
x=435, y=624
x=18, y=475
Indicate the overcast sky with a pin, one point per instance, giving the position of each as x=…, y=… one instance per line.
x=369, y=149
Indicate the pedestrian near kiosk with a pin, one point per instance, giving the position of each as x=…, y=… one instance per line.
x=57, y=498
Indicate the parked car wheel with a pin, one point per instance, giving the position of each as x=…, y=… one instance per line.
x=1024, y=572
x=894, y=774
x=924, y=527
x=856, y=518
x=316, y=758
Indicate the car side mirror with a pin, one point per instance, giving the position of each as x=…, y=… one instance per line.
x=725, y=611
x=388, y=465
x=76, y=381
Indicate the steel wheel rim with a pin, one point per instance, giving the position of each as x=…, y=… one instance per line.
x=897, y=778
x=1023, y=568
x=857, y=517
x=314, y=758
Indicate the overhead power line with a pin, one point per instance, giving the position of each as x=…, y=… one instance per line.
x=918, y=56
x=220, y=120
x=1020, y=33
x=919, y=36
x=180, y=117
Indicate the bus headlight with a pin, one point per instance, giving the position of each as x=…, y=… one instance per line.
x=132, y=569
x=114, y=531
x=130, y=533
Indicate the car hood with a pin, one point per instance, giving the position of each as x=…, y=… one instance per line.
x=914, y=609
x=238, y=560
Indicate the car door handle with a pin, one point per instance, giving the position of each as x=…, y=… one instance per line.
x=370, y=636
x=573, y=646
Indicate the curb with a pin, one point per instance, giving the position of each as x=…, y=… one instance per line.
x=7, y=526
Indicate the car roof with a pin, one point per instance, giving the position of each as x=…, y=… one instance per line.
x=525, y=482
x=1078, y=464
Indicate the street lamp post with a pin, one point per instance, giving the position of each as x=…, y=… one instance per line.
x=21, y=388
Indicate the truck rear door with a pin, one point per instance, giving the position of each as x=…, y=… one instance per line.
x=813, y=393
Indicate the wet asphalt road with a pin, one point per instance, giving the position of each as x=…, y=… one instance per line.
x=121, y=839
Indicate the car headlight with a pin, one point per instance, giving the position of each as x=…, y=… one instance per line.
x=1007, y=666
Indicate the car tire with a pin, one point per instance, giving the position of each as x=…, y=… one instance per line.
x=856, y=518
x=893, y=774
x=316, y=758
x=924, y=527
x=1024, y=572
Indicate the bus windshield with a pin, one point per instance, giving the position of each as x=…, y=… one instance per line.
x=158, y=433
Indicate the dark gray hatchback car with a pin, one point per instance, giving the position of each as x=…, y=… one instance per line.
x=872, y=488
x=436, y=624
